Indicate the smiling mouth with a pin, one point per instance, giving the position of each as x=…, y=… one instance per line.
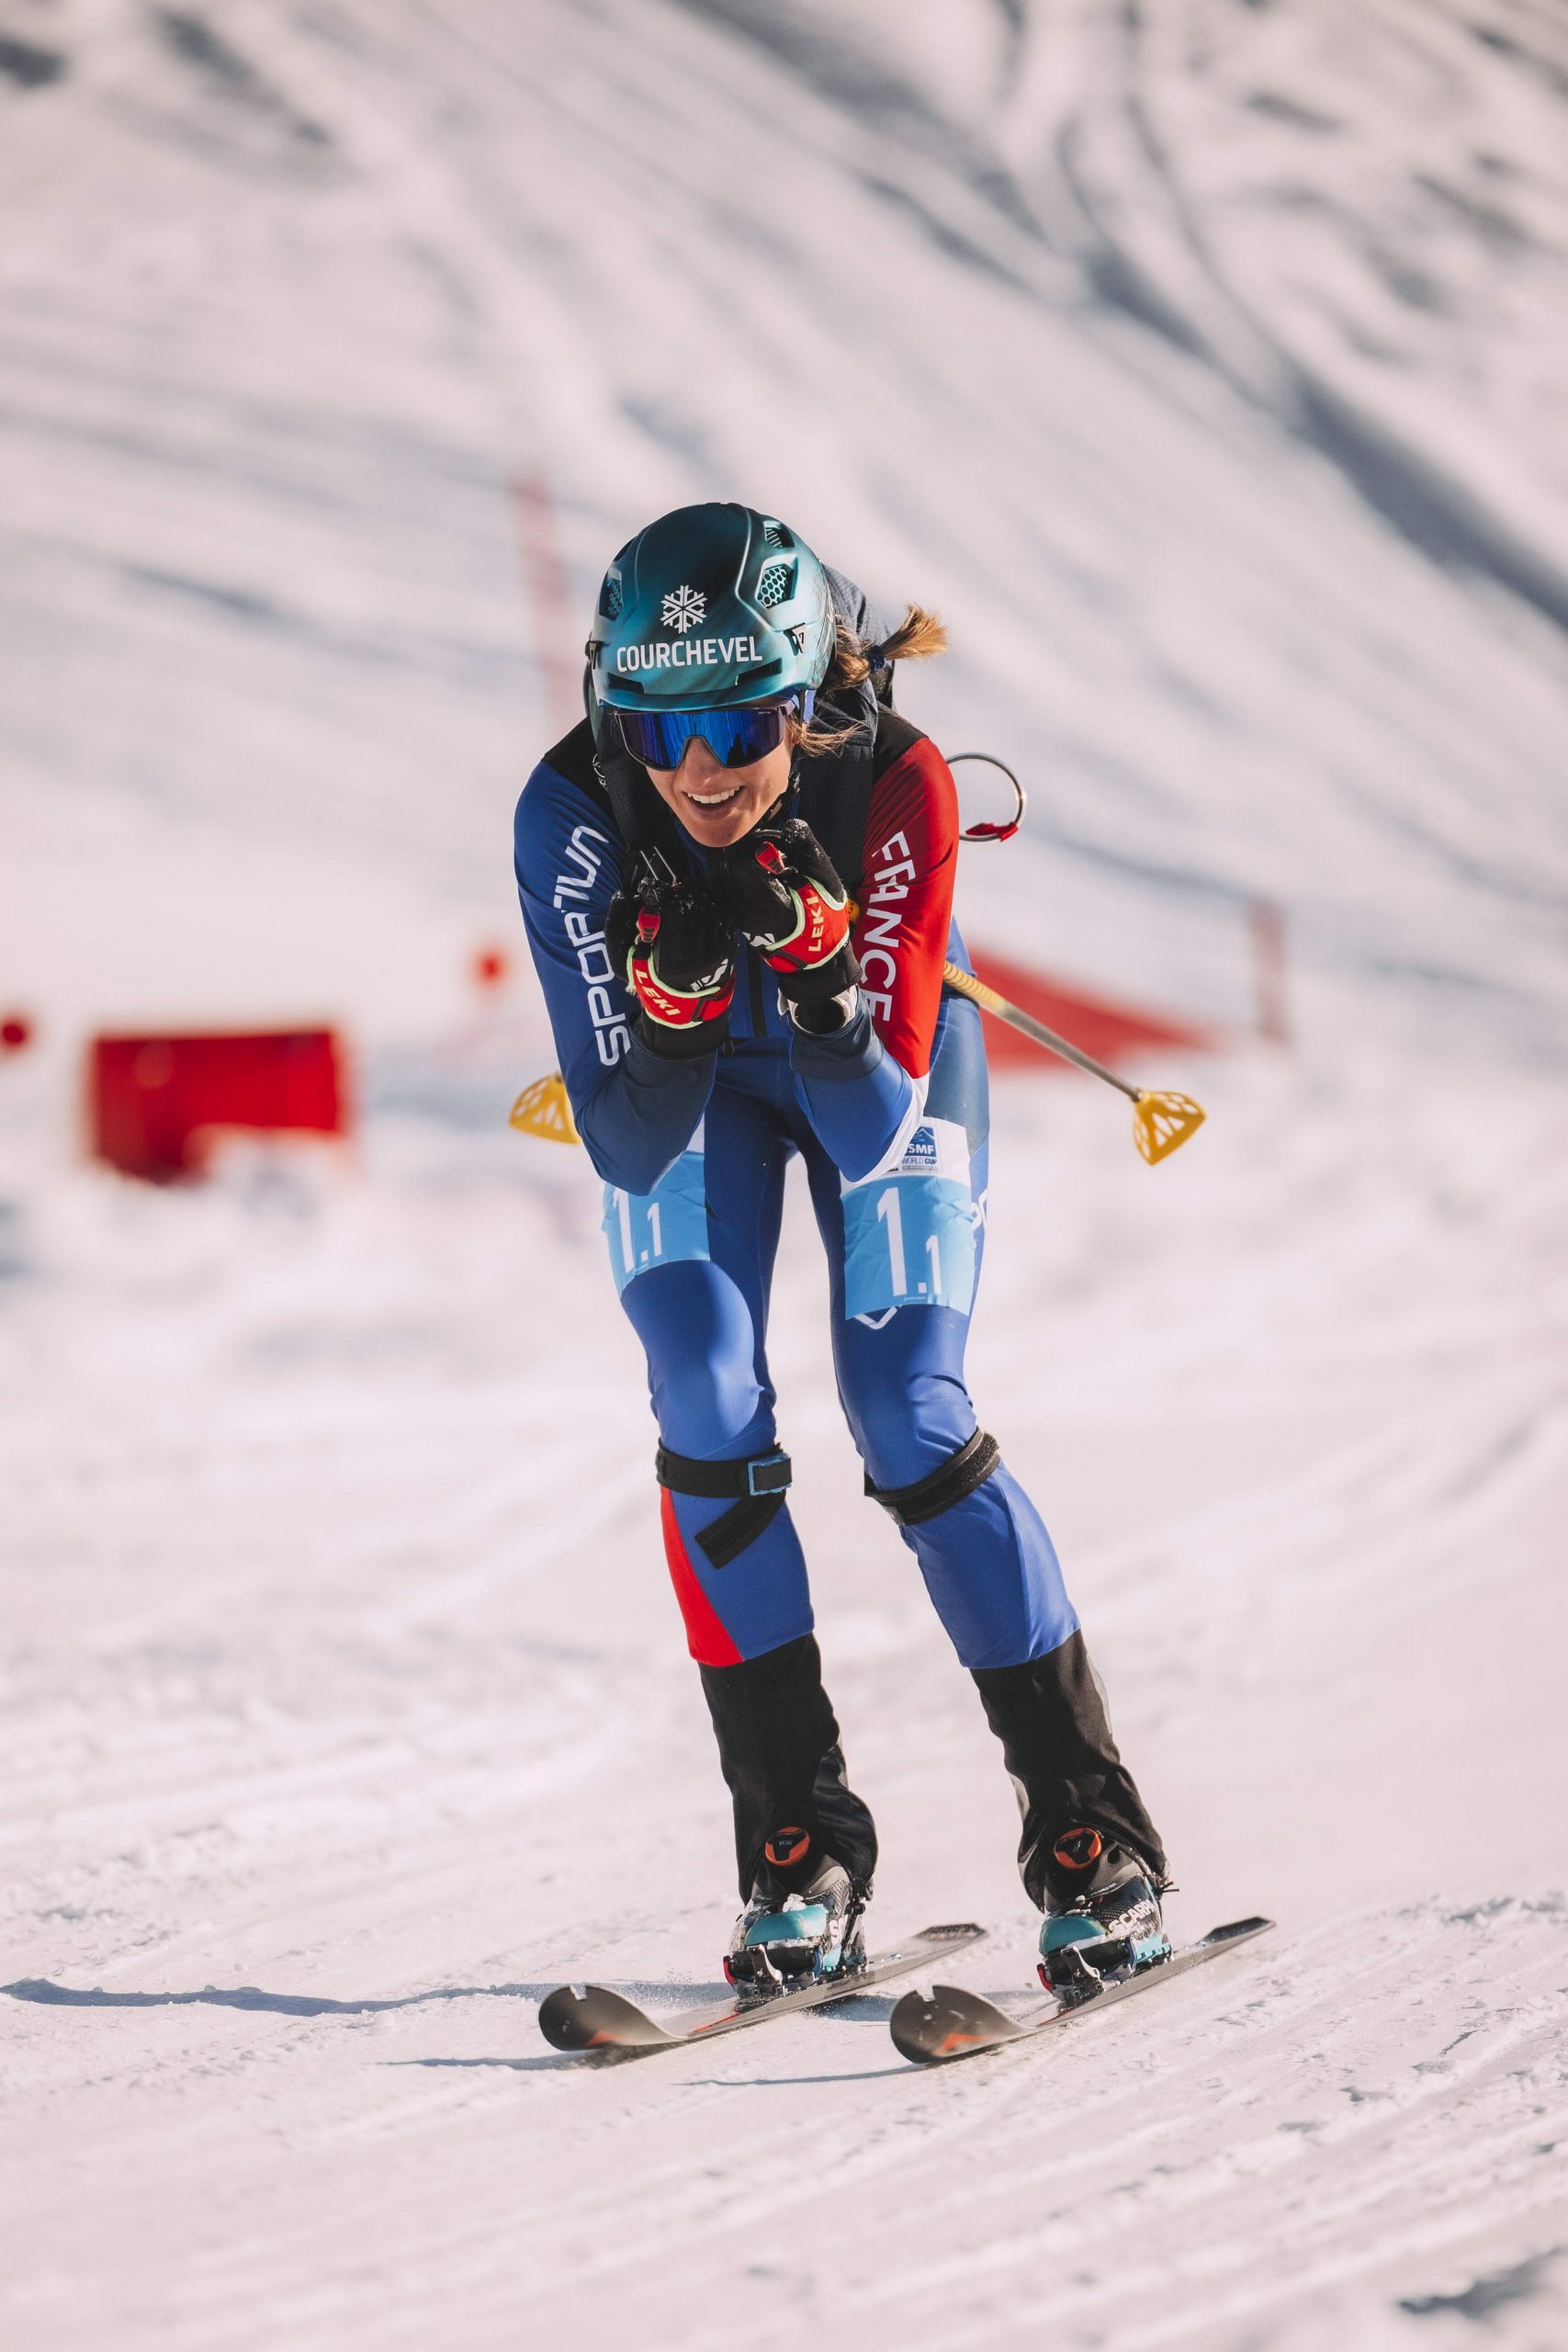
x=712, y=800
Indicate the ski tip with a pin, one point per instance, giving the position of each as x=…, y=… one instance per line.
x=931, y=2028
x=1235, y=1929
x=955, y=1931
x=934, y=2028
x=589, y=2019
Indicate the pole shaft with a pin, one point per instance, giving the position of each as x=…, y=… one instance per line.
x=1027, y=1026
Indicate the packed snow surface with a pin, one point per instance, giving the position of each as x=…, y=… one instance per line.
x=1197, y=362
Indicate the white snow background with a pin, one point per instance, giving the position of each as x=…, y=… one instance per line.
x=1203, y=363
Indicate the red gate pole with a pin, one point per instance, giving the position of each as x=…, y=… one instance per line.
x=1269, y=959
x=544, y=568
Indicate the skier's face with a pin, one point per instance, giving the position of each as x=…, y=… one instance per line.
x=716, y=804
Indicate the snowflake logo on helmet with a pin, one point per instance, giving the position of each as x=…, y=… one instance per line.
x=684, y=608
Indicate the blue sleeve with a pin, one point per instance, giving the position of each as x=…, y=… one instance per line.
x=860, y=1101
x=635, y=1111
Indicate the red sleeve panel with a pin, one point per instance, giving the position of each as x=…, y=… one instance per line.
x=911, y=846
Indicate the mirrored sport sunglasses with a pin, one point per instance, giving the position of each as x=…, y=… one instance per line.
x=736, y=738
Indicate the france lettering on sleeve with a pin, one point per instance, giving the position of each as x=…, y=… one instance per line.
x=901, y=938
x=911, y=851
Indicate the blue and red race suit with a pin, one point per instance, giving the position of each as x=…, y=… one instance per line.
x=890, y=1115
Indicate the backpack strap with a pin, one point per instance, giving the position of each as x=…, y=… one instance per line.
x=836, y=793
x=837, y=785
x=621, y=790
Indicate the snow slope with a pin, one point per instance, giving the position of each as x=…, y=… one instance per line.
x=339, y=1662
x=378, y=261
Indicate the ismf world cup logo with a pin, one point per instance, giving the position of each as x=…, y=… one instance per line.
x=684, y=608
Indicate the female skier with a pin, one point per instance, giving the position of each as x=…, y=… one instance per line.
x=689, y=860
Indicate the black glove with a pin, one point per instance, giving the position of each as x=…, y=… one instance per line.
x=676, y=950
x=778, y=885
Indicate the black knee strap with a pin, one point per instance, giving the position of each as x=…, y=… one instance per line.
x=756, y=1487
x=942, y=1487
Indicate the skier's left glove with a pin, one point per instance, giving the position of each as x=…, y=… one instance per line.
x=676, y=948
x=780, y=886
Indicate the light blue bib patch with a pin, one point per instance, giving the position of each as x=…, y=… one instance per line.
x=910, y=1235
x=663, y=1227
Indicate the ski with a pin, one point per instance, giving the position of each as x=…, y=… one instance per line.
x=949, y=2023
x=592, y=2021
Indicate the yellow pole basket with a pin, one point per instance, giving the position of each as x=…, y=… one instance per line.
x=544, y=1109
x=1161, y=1122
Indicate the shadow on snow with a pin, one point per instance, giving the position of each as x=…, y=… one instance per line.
x=250, y=1996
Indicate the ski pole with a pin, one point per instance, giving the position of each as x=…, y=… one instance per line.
x=1161, y=1122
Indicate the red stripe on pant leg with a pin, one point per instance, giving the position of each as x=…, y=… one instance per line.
x=706, y=1635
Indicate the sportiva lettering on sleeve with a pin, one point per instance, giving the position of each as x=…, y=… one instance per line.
x=911, y=848
x=577, y=887
x=634, y=1112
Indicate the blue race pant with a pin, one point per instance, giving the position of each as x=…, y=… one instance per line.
x=695, y=1261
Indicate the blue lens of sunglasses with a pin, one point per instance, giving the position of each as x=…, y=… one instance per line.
x=736, y=738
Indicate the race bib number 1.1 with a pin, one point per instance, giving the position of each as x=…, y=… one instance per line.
x=660, y=1228
x=910, y=1235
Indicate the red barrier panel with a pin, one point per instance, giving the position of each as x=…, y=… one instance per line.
x=155, y=1102
x=1102, y=1028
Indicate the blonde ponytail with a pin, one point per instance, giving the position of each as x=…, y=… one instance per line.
x=917, y=636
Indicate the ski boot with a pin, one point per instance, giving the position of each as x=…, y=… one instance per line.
x=1105, y=1923
x=793, y=1935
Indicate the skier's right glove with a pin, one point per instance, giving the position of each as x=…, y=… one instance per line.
x=677, y=953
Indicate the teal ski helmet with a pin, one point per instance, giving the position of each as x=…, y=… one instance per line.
x=710, y=607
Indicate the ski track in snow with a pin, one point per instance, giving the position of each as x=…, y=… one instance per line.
x=309, y=1782
x=1203, y=380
